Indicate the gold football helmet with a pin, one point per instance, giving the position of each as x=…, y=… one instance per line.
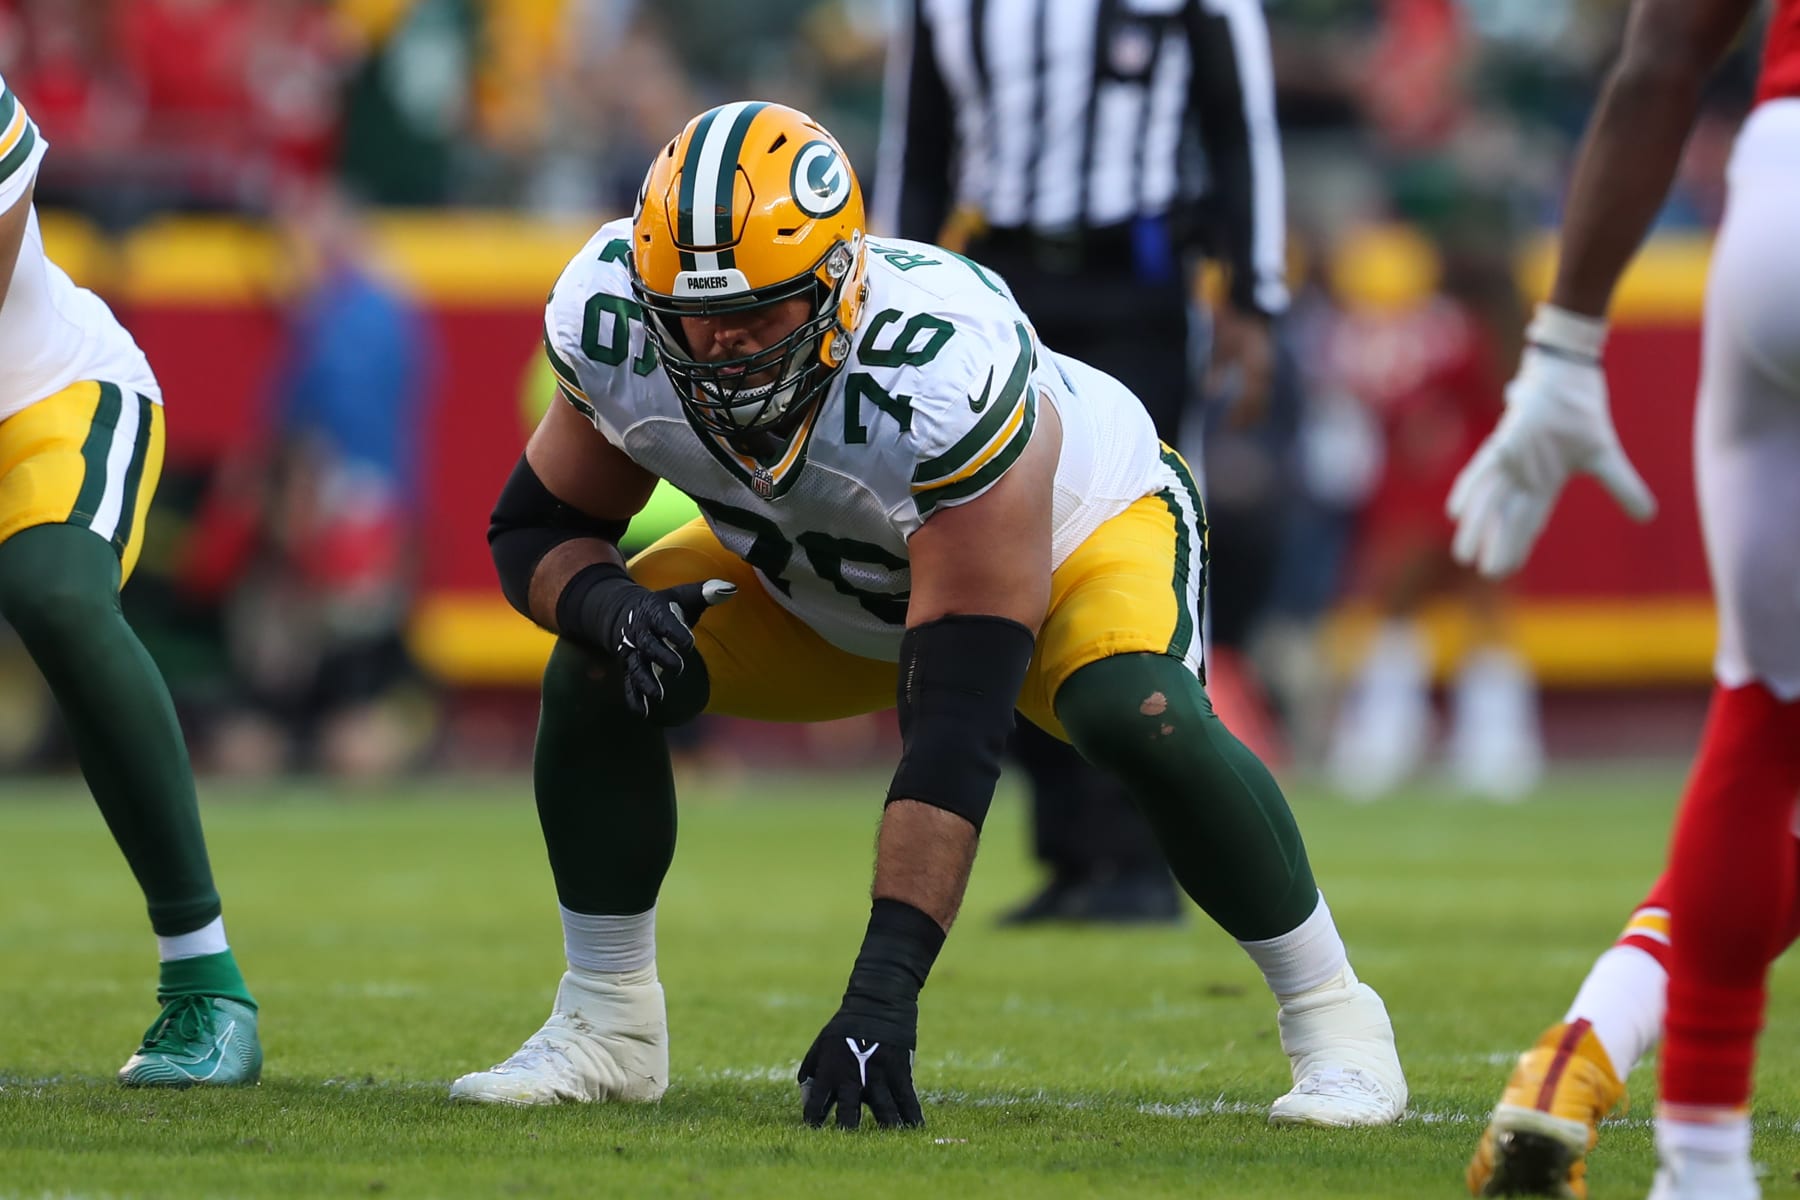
x=753, y=203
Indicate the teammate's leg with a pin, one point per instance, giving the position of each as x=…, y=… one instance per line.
x=62, y=478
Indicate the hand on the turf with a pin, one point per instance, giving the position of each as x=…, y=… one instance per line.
x=650, y=631
x=845, y=1071
x=1556, y=423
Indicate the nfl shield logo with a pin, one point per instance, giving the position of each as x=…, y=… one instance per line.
x=762, y=483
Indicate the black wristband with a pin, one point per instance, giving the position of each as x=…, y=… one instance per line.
x=584, y=610
x=897, y=952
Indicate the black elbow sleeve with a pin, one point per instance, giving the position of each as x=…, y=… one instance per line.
x=959, y=682
x=527, y=523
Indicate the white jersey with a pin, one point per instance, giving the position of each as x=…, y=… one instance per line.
x=52, y=333
x=938, y=399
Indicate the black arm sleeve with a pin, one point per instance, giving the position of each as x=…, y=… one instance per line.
x=528, y=522
x=914, y=186
x=959, y=680
x=1231, y=98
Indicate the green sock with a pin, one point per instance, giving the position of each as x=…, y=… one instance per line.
x=59, y=588
x=1219, y=815
x=605, y=790
x=207, y=975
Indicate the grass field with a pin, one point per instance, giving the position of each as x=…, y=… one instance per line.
x=397, y=939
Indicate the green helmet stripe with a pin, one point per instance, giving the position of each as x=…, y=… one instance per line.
x=690, y=167
x=728, y=162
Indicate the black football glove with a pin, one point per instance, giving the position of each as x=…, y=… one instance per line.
x=847, y=1071
x=647, y=631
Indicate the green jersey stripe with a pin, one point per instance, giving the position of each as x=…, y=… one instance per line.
x=20, y=152
x=134, y=476
x=992, y=422
x=581, y=406
x=1189, y=592
x=8, y=103
x=990, y=471
x=1183, y=636
x=94, y=449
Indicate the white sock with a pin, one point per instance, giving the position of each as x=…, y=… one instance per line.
x=1718, y=1133
x=1307, y=956
x=1623, y=998
x=208, y=939
x=609, y=945
x=1496, y=738
x=1384, y=722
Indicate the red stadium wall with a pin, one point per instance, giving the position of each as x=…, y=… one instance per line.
x=1604, y=601
x=215, y=362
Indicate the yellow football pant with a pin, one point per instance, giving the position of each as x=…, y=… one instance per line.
x=89, y=455
x=1135, y=585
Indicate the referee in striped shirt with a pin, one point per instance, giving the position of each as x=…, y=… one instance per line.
x=1087, y=150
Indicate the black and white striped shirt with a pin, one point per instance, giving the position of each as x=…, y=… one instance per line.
x=1059, y=115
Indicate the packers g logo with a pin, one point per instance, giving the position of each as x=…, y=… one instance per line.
x=821, y=179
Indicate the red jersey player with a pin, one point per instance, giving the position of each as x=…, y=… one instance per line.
x=1726, y=906
x=1430, y=374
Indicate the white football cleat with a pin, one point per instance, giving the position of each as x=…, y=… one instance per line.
x=1341, y=1045
x=603, y=1041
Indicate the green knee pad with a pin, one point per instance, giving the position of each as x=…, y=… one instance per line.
x=1219, y=815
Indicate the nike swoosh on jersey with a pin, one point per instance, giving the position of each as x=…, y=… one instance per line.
x=975, y=405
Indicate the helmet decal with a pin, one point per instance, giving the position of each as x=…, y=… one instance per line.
x=821, y=179
x=705, y=224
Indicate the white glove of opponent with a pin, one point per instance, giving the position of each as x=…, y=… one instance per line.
x=1556, y=423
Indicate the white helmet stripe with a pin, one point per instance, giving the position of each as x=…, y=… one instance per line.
x=706, y=184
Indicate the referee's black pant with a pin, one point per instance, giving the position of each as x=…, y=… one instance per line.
x=1089, y=299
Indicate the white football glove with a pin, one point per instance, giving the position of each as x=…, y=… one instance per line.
x=1556, y=423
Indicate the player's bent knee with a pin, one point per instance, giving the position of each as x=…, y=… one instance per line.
x=1116, y=708
x=585, y=681
x=58, y=582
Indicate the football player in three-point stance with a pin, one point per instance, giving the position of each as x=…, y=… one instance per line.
x=906, y=500
x=1727, y=905
x=81, y=445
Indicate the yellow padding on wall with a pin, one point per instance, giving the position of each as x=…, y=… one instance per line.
x=476, y=638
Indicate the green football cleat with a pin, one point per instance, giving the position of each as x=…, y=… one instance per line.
x=197, y=1041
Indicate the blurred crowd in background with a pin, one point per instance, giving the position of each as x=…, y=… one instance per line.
x=1447, y=111
x=1432, y=132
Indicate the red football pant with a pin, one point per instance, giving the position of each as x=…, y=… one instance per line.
x=1731, y=894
